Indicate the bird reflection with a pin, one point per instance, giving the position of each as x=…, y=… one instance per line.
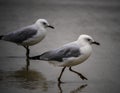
x=27, y=62
x=27, y=59
x=30, y=79
x=78, y=89
x=60, y=88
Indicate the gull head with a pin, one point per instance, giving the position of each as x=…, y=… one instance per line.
x=43, y=23
x=86, y=39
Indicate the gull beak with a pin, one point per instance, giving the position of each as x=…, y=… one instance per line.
x=97, y=43
x=51, y=26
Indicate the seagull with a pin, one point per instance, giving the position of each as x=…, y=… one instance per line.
x=29, y=35
x=70, y=54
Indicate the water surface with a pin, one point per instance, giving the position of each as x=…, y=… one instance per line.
x=100, y=19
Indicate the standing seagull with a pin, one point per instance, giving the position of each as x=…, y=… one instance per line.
x=28, y=36
x=69, y=55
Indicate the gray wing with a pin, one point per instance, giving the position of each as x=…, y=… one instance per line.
x=21, y=35
x=59, y=54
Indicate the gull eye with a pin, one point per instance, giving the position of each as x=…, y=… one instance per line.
x=88, y=39
x=44, y=23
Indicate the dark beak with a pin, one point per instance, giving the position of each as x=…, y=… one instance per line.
x=51, y=27
x=95, y=43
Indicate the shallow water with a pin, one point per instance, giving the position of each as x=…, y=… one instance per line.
x=99, y=19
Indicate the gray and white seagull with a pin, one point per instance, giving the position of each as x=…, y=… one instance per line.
x=29, y=35
x=70, y=54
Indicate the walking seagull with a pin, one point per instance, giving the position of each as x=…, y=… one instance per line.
x=69, y=55
x=29, y=35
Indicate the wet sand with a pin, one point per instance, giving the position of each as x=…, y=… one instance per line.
x=99, y=19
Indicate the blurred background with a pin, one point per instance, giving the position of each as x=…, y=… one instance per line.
x=98, y=18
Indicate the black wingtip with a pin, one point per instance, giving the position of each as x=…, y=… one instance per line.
x=1, y=37
x=35, y=58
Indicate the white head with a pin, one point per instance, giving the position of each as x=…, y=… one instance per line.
x=86, y=39
x=43, y=23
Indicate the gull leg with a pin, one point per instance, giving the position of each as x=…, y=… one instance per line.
x=27, y=57
x=59, y=78
x=81, y=76
x=27, y=52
